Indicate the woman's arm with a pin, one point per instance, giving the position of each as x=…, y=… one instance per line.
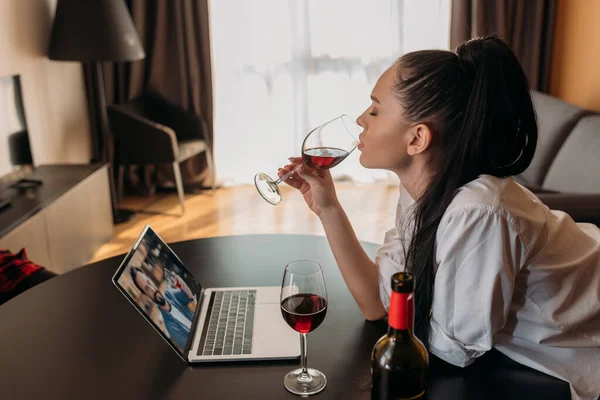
x=358, y=270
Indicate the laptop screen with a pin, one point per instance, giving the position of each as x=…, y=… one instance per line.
x=161, y=287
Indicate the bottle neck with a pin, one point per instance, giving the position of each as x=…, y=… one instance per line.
x=401, y=314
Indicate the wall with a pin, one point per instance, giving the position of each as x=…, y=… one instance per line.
x=53, y=91
x=575, y=75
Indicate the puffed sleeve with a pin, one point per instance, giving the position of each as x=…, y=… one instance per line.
x=478, y=255
x=391, y=255
x=389, y=260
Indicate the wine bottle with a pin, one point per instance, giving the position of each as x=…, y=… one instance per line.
x=399, y=359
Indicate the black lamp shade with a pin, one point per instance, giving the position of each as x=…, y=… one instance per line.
x=93, y=31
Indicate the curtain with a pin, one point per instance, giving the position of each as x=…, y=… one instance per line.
x=527, y=26
x=282, y=68
x=176, y=38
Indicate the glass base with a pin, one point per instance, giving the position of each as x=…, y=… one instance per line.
x=267, y=188
x=313, y=383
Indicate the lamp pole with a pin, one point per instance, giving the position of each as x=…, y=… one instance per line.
x=93, y=31
x=101, y=141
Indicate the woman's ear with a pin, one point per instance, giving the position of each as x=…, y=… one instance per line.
x=419, y=140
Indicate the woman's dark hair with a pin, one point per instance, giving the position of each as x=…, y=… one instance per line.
x=478, y=105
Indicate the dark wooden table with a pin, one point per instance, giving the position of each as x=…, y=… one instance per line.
x=77, y=337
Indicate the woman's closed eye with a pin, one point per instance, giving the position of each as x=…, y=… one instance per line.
x=373, y=113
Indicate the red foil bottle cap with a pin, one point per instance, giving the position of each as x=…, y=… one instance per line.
x=401, y=311
x=403, y=282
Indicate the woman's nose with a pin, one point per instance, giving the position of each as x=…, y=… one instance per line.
x=359, y=121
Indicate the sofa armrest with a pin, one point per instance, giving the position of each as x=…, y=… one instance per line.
x=581, y=207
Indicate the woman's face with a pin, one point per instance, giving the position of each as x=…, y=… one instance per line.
x=384, y=141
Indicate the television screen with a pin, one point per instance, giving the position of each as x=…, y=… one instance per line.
x=14, y=139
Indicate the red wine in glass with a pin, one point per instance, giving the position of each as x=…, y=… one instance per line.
x=304, y=312
x=303, y=307
x=324, y=157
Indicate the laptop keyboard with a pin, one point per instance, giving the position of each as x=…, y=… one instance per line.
x=231, y=323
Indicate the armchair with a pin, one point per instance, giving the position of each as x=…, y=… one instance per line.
x=151, y=130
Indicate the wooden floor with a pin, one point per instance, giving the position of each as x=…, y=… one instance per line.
x=240, y=210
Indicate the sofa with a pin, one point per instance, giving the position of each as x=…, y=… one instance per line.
x=565, y=171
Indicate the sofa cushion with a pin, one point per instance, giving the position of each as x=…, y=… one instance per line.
x=576, y=168
x=555, y=120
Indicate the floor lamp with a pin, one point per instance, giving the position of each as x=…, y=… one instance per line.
x=93, y=31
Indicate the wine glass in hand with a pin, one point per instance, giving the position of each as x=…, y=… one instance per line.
x=303, y=306
x=324, y=147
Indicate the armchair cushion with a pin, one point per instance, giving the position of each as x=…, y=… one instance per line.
x=189, y=148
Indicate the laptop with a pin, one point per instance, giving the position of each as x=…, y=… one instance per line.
x=203, y=324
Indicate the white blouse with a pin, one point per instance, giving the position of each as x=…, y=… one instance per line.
x=513, y=275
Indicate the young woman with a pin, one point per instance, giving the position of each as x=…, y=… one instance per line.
x=494, y=267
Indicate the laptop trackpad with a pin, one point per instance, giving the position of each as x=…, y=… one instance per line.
x=272, y=335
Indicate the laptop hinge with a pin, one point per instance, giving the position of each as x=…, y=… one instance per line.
x=190, y=341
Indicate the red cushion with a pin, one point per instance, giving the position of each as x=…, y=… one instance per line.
x=14, y=268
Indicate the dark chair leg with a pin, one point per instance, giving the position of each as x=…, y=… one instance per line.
x=179, y=184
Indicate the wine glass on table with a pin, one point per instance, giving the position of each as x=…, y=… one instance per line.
x=324, y=147
x=303, y=306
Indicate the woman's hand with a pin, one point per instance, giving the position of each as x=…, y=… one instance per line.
x=316, y=186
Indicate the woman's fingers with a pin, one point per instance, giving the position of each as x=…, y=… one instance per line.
x=297, y=173
x=311, y=172
x=289, y=169
x=310, y=175
x=294, y=180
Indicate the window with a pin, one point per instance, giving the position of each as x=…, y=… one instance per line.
x=282, y=67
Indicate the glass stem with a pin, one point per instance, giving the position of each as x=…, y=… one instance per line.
x=304, y=375
x=283, y=178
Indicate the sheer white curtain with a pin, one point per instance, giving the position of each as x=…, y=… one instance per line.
x=282, y=67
